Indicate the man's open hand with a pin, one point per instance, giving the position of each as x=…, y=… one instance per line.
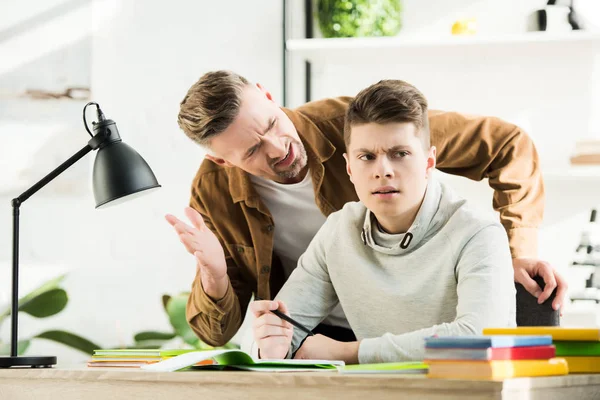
x=202, y=243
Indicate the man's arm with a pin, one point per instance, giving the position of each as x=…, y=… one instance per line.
x=486, y=297
x=486, y=147
x=215, y=309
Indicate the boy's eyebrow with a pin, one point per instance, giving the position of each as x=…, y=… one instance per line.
x=393, y=148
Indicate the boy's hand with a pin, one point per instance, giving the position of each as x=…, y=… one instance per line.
x=272, y=334
x=321, y=347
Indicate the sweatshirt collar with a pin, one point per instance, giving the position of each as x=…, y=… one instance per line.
x=417, y=231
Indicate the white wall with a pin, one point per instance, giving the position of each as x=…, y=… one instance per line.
x=146, y=54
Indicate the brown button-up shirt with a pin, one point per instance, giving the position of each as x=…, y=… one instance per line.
x=474, y=147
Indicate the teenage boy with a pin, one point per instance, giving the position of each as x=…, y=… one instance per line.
x=410, y=260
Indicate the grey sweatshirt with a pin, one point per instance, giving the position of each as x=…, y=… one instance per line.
x=453, y=277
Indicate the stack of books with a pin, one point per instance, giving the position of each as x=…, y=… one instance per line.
x=580, y=347
x=131, y=358
x=492, y=357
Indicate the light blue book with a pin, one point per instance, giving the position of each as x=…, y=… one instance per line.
x=484, y=342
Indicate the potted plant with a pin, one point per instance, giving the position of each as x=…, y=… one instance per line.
x=356, y=18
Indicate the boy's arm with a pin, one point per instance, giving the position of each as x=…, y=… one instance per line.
x=486, y=297
x=308, y=293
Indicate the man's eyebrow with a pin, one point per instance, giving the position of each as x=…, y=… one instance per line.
x=271, y=125
x=250, y=150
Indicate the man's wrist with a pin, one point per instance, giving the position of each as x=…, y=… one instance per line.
x=215, y=288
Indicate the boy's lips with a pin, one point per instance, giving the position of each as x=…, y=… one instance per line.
x=385, y=190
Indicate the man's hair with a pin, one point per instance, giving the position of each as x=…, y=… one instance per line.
x=211, y=105
x=389, y=101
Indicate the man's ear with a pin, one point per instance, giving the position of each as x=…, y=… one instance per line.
x=265, y=91
x=218, y=160
x=431, y=159
x=348, y=170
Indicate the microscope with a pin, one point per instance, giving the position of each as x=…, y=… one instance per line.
x=586, y=263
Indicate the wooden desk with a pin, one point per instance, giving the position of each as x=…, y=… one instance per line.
x=90, y=384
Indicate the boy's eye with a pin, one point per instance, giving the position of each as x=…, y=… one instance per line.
x=366, y=157
x=400, y=154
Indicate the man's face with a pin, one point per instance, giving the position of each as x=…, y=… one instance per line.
x=389, y=167
x=261, y=140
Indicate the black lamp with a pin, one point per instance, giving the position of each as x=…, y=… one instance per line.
x=119, y=173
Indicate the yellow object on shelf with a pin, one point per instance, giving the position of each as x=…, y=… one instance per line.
x=465, y=26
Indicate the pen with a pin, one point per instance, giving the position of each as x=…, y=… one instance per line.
x=290, y=320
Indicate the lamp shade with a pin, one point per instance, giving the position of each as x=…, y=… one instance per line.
x=119, y=171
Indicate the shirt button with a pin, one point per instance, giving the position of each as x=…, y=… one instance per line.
x=265, y=269
x=270, y=228
x=240, y=249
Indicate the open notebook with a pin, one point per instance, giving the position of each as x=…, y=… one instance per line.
x=239, y=359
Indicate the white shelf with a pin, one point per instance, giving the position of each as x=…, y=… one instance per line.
x=574, y=173
x=312, y=47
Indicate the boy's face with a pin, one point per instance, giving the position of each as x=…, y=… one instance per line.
x=389, y=167
x=262, y=140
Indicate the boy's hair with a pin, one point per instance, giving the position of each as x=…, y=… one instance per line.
x=386, y=102
x=211, y=105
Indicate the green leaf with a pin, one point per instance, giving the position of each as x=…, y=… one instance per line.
x=165, y=300
x=152, y=335
x=22, y=346
x=46, y=304
x=71, y=340
x=176, y=311
x=45, y=287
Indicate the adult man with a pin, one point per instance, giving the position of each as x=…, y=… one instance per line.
x=274, y=174
x=411, y=260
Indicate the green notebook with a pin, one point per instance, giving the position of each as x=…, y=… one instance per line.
x=141, y=352
x=573, y=348
x=410, y=367
x=239, y=359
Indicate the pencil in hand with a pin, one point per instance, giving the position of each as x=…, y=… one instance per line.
x=289, y=319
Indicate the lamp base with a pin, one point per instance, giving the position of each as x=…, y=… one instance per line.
x=26, y=361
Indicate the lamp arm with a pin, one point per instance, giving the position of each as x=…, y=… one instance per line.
x=93, y=144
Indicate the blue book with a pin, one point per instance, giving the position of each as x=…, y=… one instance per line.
x=484, y=342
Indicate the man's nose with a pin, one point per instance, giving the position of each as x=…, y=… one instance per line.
x=276, y=147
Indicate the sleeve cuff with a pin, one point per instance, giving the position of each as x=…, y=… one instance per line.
x=368, y=351
x=215, y=309
x=523, y=242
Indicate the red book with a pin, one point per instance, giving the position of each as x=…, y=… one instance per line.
x=497, y=353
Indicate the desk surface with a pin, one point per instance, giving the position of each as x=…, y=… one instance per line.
x=115, y=384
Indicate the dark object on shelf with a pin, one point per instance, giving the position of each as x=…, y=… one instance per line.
x=542, y=17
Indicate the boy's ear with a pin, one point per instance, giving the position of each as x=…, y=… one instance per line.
x=265, y=91
x=431, y=159
x=219, y=161
x=348, y=169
